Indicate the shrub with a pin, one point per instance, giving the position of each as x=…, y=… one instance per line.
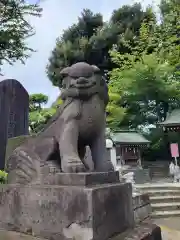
x=3, y=177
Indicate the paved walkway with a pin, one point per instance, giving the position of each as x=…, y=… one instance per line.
x=169, y=234
x=170, y=228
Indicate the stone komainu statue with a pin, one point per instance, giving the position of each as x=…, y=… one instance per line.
x=79, y=122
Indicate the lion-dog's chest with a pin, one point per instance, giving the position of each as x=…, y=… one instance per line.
x=92, y=117
x=88, y=117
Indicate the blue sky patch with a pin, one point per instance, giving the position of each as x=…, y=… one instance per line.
x=33, y=1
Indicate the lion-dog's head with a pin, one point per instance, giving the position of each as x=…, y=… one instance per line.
x=82, y=80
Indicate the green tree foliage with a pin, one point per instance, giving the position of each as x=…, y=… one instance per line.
x=148, y=87
x=90, y=39
x=57, y=103
x=148, y=79
x=15, y=29
x=73, y=45
x=160, y=144
x=39, y=115
x=37, y=119
x=115, y=113
x=37, y=100
x=169, y=31
x=3, y=177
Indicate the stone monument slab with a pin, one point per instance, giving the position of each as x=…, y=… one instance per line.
x=67, y=212
x=14, y=108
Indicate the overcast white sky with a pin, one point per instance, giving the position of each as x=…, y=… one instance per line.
x=57, y=15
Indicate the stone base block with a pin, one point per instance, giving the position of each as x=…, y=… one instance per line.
x=67, y=212
x=140, y=175
x=143, y=232
x=80, y=179
x=142, y=207
x=9, y=235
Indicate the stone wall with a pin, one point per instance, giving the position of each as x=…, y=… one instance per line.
x=142, y=207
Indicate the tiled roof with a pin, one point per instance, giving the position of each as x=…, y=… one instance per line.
x=129, y=137
x=173, y=119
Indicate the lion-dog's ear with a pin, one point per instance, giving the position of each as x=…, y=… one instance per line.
x=65, y=71
x=64, y=77
x=95, y=69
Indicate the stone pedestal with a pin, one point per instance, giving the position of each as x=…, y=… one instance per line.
x=86, y=206
x=79, y=179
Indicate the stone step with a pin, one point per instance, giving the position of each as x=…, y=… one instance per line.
x=161, y=192
x=168, y=198
x=165, y=214
x=158, y=174
x=165, y=206
x=159, y=186
x=158, y=167
x=164, y=198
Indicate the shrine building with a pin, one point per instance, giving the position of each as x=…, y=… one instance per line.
x=128, y=147
x=172, y=122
